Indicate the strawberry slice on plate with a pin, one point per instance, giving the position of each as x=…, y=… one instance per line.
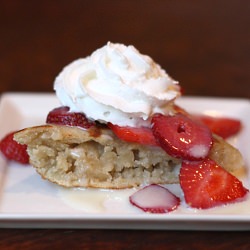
x=181, y=136
x=222, y=126
x=62, y=116
x=13, y=150
x=140, y=135
x=205, y=184
x=154, y=199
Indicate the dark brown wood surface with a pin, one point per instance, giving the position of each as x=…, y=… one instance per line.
x=205, y=45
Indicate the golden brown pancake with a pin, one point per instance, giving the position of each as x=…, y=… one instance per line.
x=75, y=157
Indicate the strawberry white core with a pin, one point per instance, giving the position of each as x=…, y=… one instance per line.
x=199, y=151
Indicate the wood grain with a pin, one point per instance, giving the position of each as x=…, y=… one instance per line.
x=38, y=239
x=202, y=44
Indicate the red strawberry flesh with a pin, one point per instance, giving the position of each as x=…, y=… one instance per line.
x=140, y=135
x=154, y=199
x=222, y=126
x=12, y=150
x=182, y=137
x=206, y=184
x=62, y=116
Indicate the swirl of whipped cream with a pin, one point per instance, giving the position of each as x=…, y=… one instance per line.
x=116, y=84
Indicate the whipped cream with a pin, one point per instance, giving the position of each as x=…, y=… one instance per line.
x=116, y=84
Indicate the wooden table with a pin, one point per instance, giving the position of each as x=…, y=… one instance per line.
x=202, y=44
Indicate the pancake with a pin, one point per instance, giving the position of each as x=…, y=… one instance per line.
x=95, y=157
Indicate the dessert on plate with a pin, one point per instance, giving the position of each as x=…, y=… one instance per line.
x=119, y=127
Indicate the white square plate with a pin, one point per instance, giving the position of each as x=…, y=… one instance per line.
x=26, y=200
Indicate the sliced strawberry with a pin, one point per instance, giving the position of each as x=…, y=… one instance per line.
x=205, y=184
x=62, y=116
x=182, y=137
x=141, y=135
x=13, y=150
x=222, y=126
x=154, y=199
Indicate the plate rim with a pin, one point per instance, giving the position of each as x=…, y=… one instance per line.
x=50, y=219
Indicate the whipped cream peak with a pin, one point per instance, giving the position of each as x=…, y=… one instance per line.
x=117, y=84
